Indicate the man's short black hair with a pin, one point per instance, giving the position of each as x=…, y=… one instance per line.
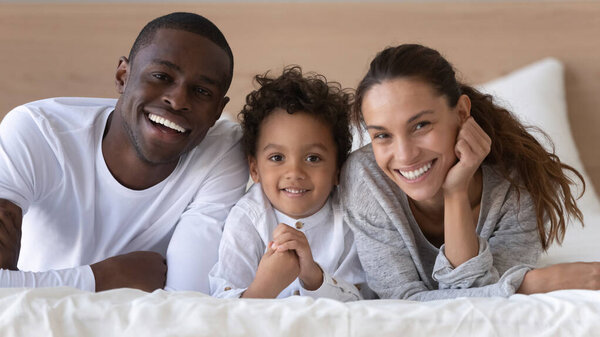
x=188, y=22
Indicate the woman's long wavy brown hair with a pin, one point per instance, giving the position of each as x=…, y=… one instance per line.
x=539, y=172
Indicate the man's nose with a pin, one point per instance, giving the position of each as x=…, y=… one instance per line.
x=177, y=97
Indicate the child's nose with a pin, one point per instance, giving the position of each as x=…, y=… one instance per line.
x=295, y=171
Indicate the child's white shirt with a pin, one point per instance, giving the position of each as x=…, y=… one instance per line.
x=249, y=228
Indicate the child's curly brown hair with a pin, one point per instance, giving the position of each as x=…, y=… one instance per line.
x=294, y=92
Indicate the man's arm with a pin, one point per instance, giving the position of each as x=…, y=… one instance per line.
x=11, y=218
x=193, y=249
x=141, y=270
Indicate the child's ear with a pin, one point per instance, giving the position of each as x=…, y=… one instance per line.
x=253, y=169
x=463, y=107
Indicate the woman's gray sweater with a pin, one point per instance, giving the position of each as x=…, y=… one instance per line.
x=401, y=263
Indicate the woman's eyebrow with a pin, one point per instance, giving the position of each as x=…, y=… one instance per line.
x=419, y=115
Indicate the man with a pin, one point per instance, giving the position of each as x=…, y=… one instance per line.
x=100, y=190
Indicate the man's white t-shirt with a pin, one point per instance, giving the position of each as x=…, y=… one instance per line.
x=76, y=213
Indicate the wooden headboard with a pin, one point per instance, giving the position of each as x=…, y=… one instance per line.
x=72, y=49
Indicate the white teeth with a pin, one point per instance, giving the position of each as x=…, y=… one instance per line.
x=165, y=122
x=411, y=175
x=293, y=190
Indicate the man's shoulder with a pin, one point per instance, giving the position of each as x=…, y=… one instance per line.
x=69, y=103
x=223, y=137
x=224, y=130
x=67, y=113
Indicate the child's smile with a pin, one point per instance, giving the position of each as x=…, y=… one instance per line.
x=295, y=162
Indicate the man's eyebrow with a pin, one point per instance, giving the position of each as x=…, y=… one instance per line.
x=167, y=64
x=175, y=67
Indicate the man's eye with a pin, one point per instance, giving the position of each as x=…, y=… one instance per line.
x=160, y=76
x=276, y=157
x=313, y=159
x=202, y=92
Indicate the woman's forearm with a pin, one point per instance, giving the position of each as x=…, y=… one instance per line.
x=460, y=239
x=576, y=275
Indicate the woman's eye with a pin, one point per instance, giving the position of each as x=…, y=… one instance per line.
x=421, y=125
x=313, y=159
x=276, y=157
x=380, y=136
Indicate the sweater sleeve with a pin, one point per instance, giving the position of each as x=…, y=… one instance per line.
x=514, y=245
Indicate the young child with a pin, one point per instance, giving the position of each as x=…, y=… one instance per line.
x=286, y=236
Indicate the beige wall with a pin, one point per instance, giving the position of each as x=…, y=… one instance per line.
x=72, y=49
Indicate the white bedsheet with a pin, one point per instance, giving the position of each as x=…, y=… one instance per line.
x=127, y=312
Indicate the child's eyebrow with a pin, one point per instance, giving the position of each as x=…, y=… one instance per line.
x=320, y=146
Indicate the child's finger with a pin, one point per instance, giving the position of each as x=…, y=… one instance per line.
x=288, y=236
x=289, y=245
x=271, y=248
x=280, y=229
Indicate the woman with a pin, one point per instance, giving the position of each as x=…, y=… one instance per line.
x=453, y=197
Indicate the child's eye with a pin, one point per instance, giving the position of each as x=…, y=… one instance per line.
x=380, y=135
x=276, y=157
x=313, y=158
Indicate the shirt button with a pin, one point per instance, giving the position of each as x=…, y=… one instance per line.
x=297, y=293
x=299, y=225
x=227, y=288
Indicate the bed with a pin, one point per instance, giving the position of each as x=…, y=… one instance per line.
x=540, y=59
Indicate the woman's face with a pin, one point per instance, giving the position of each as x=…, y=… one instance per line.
x=413, y=132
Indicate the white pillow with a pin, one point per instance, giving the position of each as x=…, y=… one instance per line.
x=536, y=94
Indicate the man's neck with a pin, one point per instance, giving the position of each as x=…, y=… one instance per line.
x=125, y=164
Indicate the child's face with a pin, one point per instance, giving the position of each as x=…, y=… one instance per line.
x=295, y=162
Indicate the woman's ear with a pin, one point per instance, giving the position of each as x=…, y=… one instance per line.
x=122, y=74
x=253, y=165
x=463, y=107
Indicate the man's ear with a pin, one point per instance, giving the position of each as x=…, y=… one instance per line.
x=463, y=107
x=224, y=102
x=253, y=165
x=122, y=74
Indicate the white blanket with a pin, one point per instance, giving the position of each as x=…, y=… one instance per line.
x=127, y=312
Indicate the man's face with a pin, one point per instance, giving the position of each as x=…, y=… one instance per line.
x=171, y=94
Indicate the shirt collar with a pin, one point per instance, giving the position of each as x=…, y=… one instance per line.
x=319, y=217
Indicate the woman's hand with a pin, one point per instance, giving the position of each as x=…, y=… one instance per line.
x=472, y=146
x=576, y=275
